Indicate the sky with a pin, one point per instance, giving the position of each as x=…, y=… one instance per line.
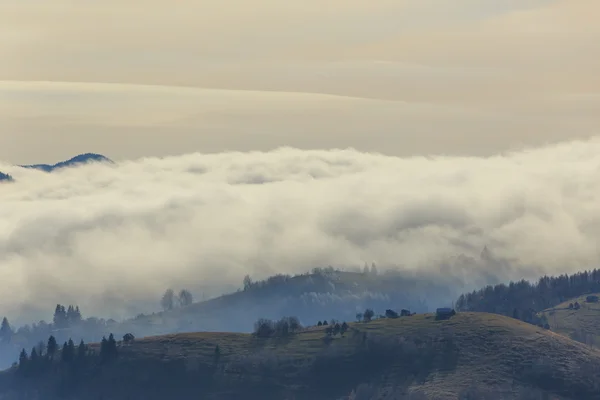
x=267, y=136
x=401, y=77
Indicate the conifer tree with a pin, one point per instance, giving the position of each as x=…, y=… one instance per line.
x=81, y=350
x=112, y=346
x=23, y=359
x=64, y=355
x=52, y=347
x=34, y=355
x=5, y=331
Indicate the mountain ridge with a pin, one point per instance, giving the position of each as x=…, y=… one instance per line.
x=83, y=158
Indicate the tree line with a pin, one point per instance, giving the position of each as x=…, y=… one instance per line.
x=523, y=300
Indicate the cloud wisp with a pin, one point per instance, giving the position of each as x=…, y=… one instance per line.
x=109, y=237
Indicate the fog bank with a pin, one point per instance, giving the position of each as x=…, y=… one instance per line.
x=111, y=238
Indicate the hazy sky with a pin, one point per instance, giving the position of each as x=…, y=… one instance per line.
x=394, y=76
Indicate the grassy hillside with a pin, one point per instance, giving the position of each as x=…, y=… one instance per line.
x=386, y=358
x=582, y=325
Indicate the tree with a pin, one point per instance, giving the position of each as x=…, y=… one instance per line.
x=6, y=331
x=23, y=359
x=81, y=350
x=359, y=317
x=185, y=298
x=104, y=349
x=368, y=315
x=319, y=323
x=336, y=329
x=112, y=346
x=264, y=328
x=34, y=355
x=373, y=269
x=325, y=322
x=108, y=348
x=247, y=282
x=391, y=314
x=60, y=317
x=168, y=300
x=52, y=347
x=344, y=328
x=64, y=354
x=73, y=315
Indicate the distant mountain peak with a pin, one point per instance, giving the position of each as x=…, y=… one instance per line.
x=5, y=177
x=77, y=160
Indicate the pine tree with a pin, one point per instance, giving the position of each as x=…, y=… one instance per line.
x=81, y=350
x=34, y=355
x=60, y=317
x=5, y=331
x=112, y=346
x=52, y=347
x=23, y=359
x=104, y=349
x=64, y=354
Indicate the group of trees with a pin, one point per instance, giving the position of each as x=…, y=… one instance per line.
x=366, y=316
x=169, y=300
x=264, y=328
x=67, y=322
x=63, y=318
x=523, y=299
x=45, y=354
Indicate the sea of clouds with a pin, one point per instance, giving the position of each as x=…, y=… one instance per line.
x=113, y=237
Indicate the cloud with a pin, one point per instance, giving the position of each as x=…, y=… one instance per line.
x=112, y=237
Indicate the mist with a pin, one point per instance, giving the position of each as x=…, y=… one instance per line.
x=112, y=238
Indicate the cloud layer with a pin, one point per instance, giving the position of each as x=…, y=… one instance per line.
x=112, y=236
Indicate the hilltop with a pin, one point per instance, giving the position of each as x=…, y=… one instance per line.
x=5, y=177
x=581, y=324
x=77, y=160
x=472, y=354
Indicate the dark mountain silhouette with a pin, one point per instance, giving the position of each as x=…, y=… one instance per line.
x=77, y=160
x=5, y=177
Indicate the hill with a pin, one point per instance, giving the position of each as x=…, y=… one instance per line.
x=322, y=294
x=77, y=160
x=581, y=324
x=470, y=356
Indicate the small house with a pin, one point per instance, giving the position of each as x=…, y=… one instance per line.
x=444, y=313
x=592, y=299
